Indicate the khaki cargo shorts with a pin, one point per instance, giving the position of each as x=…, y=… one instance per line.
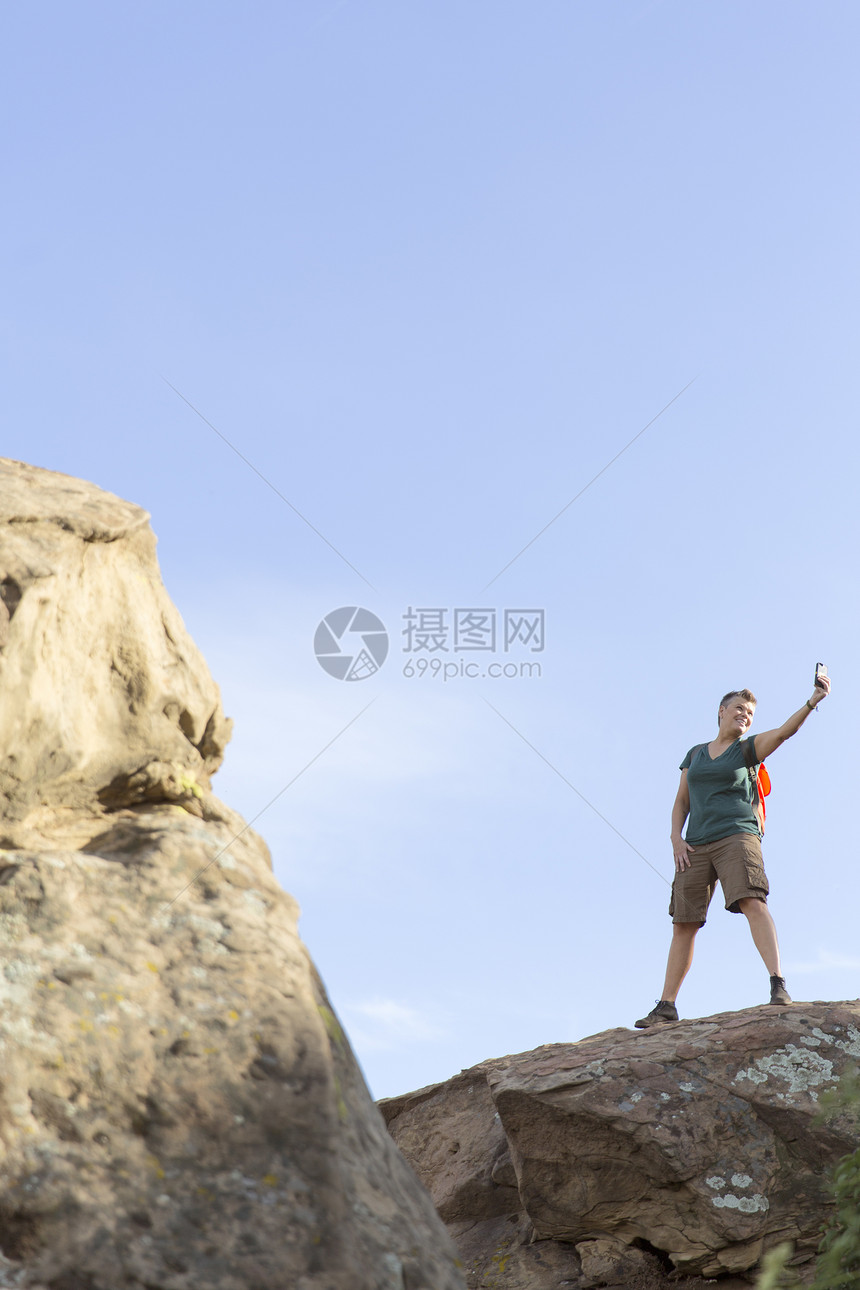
x=736, y=861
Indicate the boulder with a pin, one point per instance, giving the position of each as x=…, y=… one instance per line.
x=105, y=701
x=179, y=1106
x=694, y=1147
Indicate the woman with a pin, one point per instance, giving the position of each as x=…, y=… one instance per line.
x=717, y=792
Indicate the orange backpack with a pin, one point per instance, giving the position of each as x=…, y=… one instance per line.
x=759, y=784
x=761, y=790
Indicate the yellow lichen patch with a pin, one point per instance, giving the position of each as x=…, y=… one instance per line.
x=154, y=1165
x=332, y=1025
x=270, y=1180
x=232, y=1015
x=190, y=785
x=84, y=1023
x=152, y=966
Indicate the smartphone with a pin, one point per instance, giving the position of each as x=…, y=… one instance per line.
x=820, y=671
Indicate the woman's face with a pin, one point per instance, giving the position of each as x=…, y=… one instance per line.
x=736, y=717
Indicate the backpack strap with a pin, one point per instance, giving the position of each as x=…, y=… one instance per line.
x=759, y=782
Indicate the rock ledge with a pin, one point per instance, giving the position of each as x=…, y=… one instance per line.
x=694, y=1147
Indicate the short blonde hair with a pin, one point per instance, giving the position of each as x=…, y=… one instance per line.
x=738, y=694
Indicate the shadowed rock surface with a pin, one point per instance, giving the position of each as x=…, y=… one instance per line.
x=179, y=1107
x=629, y=1155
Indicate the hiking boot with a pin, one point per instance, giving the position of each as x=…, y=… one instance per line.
x=661, y=1015
x=778, y=992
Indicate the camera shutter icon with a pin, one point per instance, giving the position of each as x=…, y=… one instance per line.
x=351, y=643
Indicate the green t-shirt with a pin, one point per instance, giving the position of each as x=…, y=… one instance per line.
x=721, y=792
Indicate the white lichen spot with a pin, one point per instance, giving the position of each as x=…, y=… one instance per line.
x=851, y=1045
x=255, y=900
x=394, y=1266
x=163, y=1199
x=746, y=1204
x=17, y=1028
x=755, y=1076
x=636, y=1097
x=810, y=1041
x=717, y=1183
x=801, y=1069
x=741, y=1180
x=20, y=970
x=206, y=926
x=664, y=1097
x=584, y=1074
x=686, y=1087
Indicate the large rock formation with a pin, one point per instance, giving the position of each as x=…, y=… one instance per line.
x=179, y=1108
x=105, y=702
x=614, y=1160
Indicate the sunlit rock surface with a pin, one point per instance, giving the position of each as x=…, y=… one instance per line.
x=179, y=1107
x=693, y=1147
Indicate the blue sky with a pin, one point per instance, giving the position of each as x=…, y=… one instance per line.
x=428, y=268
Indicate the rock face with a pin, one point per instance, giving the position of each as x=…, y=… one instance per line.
x=179, y=1108
x=105, y=701
x=614, y=1160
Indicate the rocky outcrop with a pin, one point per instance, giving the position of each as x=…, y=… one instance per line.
x=105, y=701
x=179, y=1107
x=694, y=1147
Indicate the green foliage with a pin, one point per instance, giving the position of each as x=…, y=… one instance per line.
x=839, y=1252
x=838, y=1265
x=772, y=1273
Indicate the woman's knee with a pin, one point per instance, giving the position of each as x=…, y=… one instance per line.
x=685, y=931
